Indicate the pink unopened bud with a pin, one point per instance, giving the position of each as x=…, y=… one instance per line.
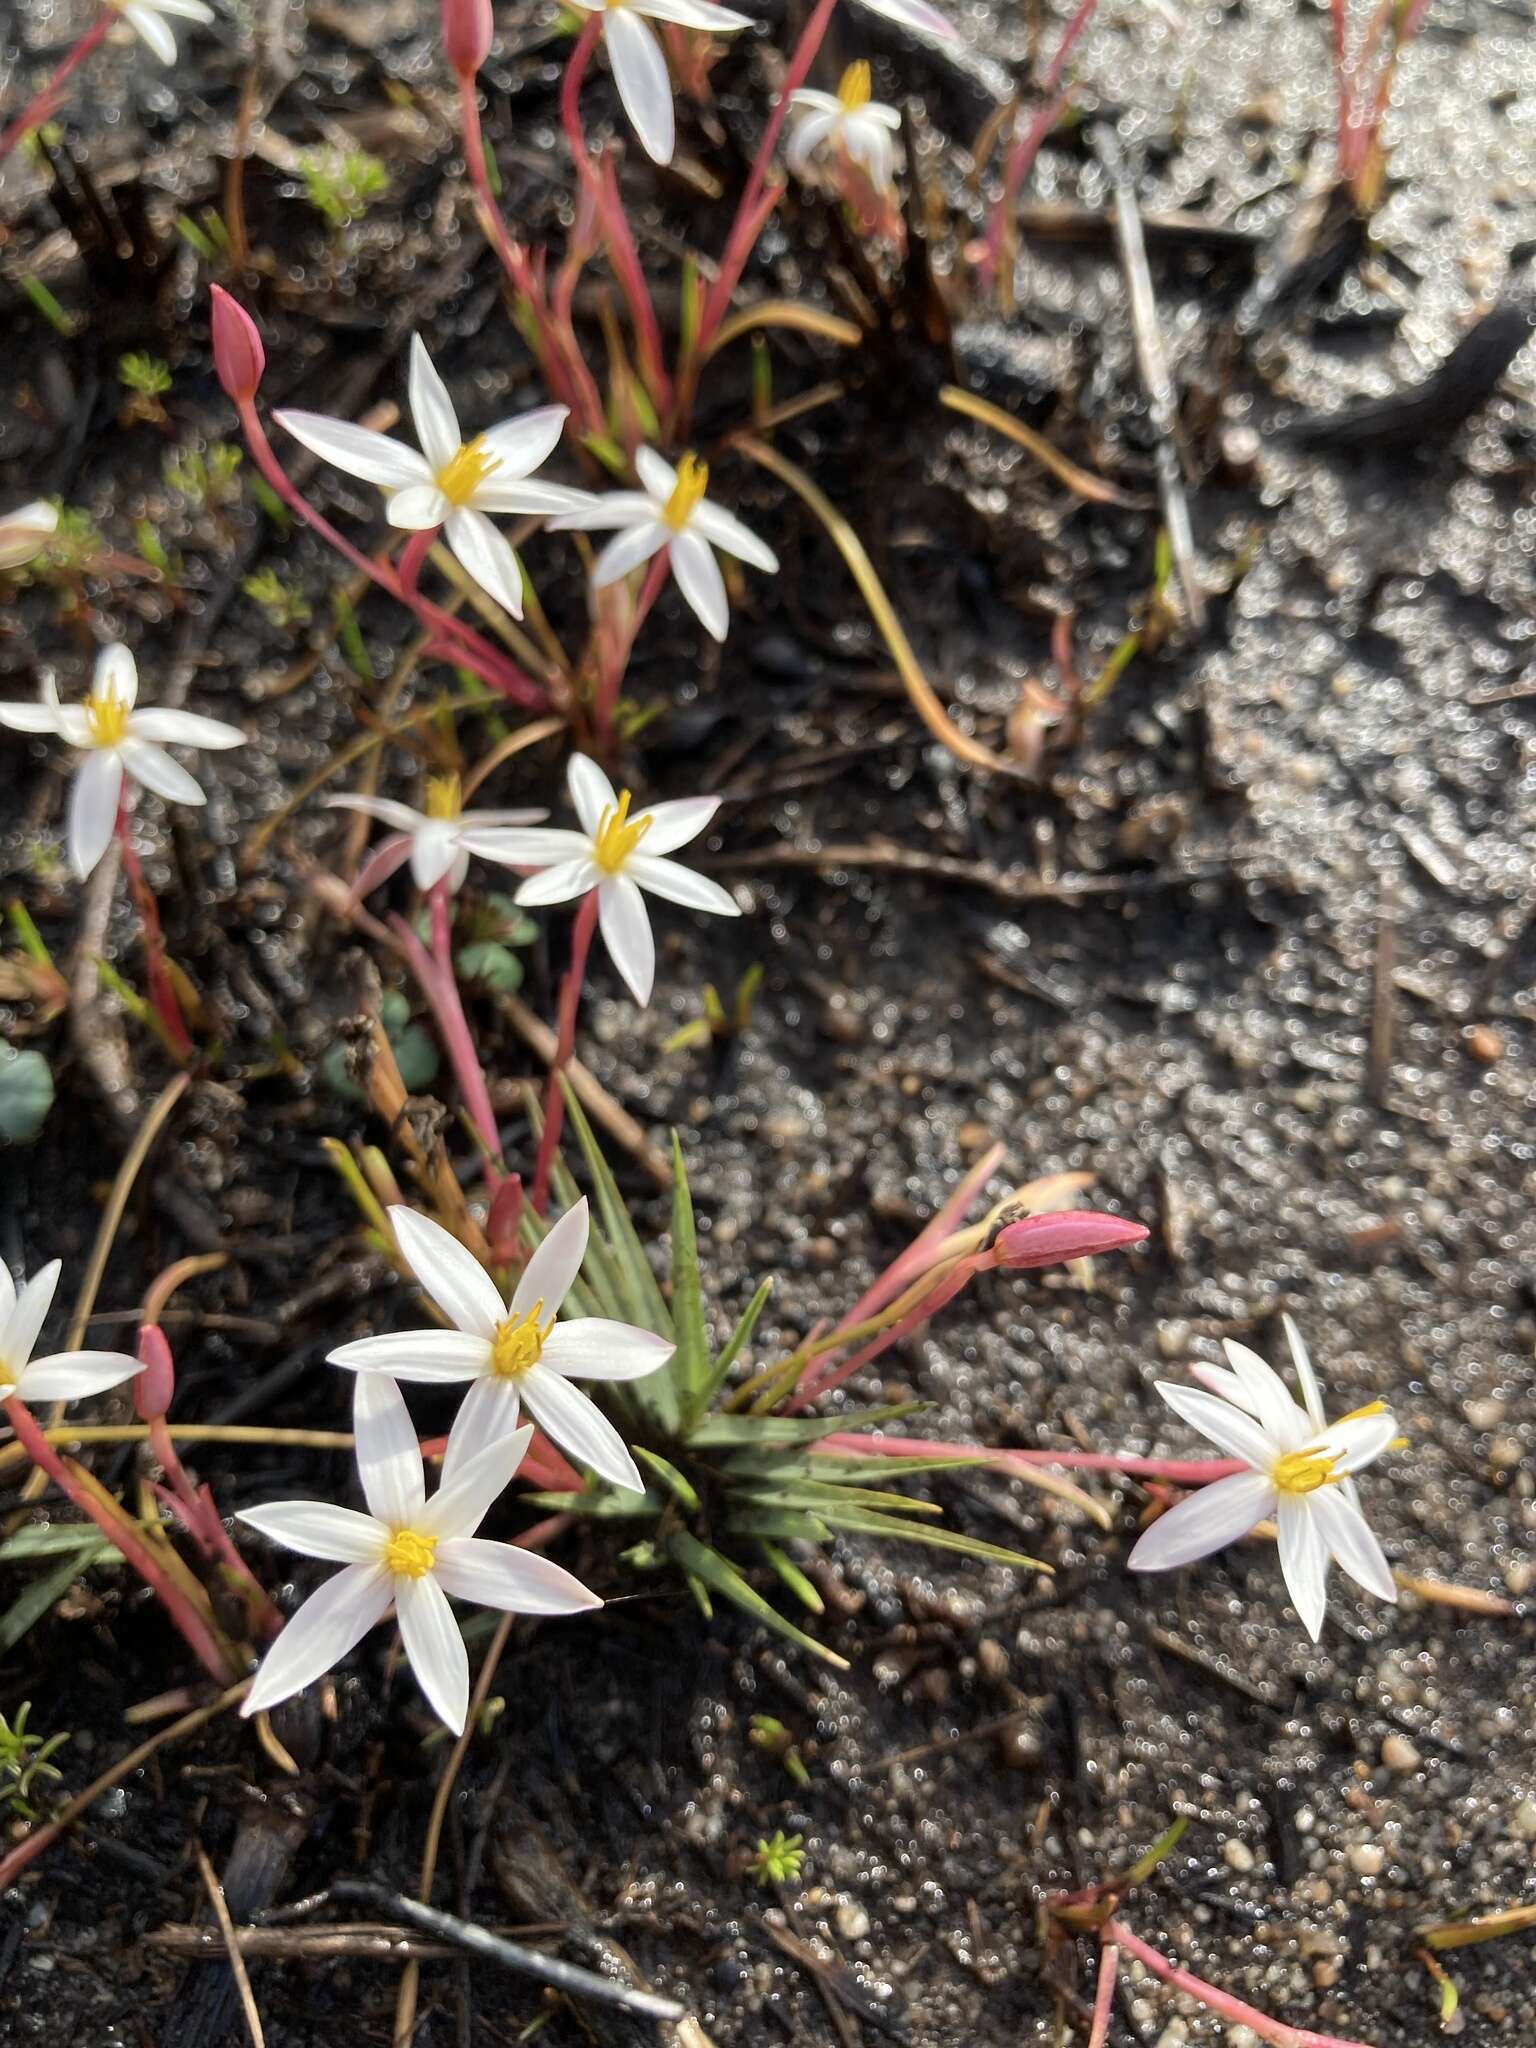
x=238, y=355
x=468, y=27
x=1053, y=1240
x=156, y=1384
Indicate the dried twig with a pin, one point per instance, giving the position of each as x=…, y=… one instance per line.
x=238, y=1971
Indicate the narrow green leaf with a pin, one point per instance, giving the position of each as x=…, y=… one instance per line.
x=796, y=1580
x=696, y=1558
x=670, y=1478
x=765, y=1432
x=44, y=1592
x=739, y=1338
x=52, y=1539
x=784, y=1525
x=1168, y=1840
x=838, y=1468
x=638, y=1281
x=829, y=1496
x=689, y=1368
x=599, y=1504
x=865, y=1522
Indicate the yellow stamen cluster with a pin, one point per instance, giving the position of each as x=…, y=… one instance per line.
x=855, y=87
x=519, y=1343
x=461, y=476
x=1304, y=1472
x=692, y=482
x=618, y=835
x=444, y=798
x=409, y=1554
x=108, y=720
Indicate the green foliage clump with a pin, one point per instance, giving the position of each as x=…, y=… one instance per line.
x=23, y=1761
x=341, y=184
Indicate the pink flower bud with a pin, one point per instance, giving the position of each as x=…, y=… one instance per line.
x=467, y=31
x=1053, y=1240
x=156, y=1384
x=238, y=355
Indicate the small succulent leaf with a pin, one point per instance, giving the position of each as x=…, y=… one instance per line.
x=796, y=1580
x=696, y=1558
x=646, y=1306
x=892, y=1529
x=670, y=1477
x=599, y=1504
x=735, y=1344
x=782, y=1524
x=762, y=1432
x=689, y=1365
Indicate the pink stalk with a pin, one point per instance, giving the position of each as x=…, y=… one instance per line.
x=162, y=992
x=435, y=975
x=118, y=1529
x=1104, y=1994
x=412, y=558
x=565, y=1045
x=1176, y=1471
x=1217, y=2001
x=41, y=105
x=1021, y=159
x=904, y=1269
x=615, y=659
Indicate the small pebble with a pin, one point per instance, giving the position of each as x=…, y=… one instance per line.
x=1366, y=1859
x=851, y=1921
x=1483, y=1043
x=992, y=1660
x=1238, y=1855
x=1399, y=1754
x=1485, y=1414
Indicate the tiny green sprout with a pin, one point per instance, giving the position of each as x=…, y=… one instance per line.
x=775, y=1740
x=75, y=544
x=283, y=606
x=341, y=184
x=206, y=481
x=24, y=1760
x=48, y=306
x=779, y=1860
x=152, y=548
x=144, y=374
x=717, y=1025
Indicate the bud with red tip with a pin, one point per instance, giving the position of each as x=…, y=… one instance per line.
x=155, y=1385
x=468, y=27
x=1056, y=1239
x=238, y=355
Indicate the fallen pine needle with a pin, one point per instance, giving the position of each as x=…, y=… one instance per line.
x=238, y=1971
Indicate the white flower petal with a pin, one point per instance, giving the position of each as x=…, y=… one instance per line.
x=1303, y=1560
x=816, y=102
x=315, y=1528
x=332, y=1621
x=42, y=717
x=1267, y=1397
x=608, y=508
x=478, y=1476
x=116, y=675
x=184, y=729
x=809, y=133
x=152, y=766
x=553, y=1265
x=357, y=450
x=435, y=1647
x=516, y=1581
x=517, y=495
x=428, y=1357
x=486, y=819
x=73, y=1375
x=417, y=508
x=677, y=884
x=726, y=531
x=452, y=1275
x=590, y=791
x=521, y=444
x=1207, y=1521
x=487, y=1414
x=7, y=1301
x=384, y=808
x=1218, y=1380
x=673, y=824
x=93, y=799
x=640, y=73
x=562, y=883
x=628, y=550
x=593, y=1348
x=432, y=413
x=1227, y=1427
x=538, y=846
x=434, y=851
x=388, y=1455
x=28, y=1312
x=626, y=930
x=569, y=1419
x=657, y=476
x=487, y=555
x=188, y=10
x=1311, y=1392
x=148, y=25
x=700, y=14
x=916, y=15
x=1358, y=1441
x=1353, y=1543
x=699, y=579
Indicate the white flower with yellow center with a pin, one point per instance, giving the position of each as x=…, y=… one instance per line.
x=116, y=739
x=514, y=1353
x=1300, y=1475
x=849, y=120
x=25, y=532
x=147, y=20
x=430, y=839
x=66, y=1375
x=671, y=512
x=452, y=483
x=619, y=855
x=407, y=1551
x=639, y=65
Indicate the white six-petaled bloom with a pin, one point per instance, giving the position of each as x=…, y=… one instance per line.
x=671, y=512
x=115, y=739
x=147, y=20
x=67, y=1375
x=452, y=483
x=409, y=1551
x=618, y=856
x=513, y=1353
x=849, y=120
x=639, y=65
x=429, y=839
x=1300, y=1466
x=25, y=532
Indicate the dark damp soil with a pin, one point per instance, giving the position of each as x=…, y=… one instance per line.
x=1162, y=963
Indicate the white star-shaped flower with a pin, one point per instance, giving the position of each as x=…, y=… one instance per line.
x=1300, y=1467
x=672, y=512
x=115, y=739
x=639, y=65
x=430, y=840
x=25, y=532
x=409, y=1551
x=618, y=856
x=848, y=119
x=147, y=20
x=514, y=1353
x=452, y=483
x=66, y=1375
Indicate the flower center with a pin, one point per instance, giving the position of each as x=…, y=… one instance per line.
x=444, y=798
x=618, y=835
x=518, y=1344
x=409, y=1554
x=461, y=476
x=1303, y=1471
x=692, y=482
x=108, y=720
x=854, y=87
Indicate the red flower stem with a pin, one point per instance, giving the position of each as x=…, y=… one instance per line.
x=565, y=1045
x=616, y=663
x=438, y=983
x=1176, y=1471
x=1104, y=1994
x=41, y=105
x=162, y=993
x=412, y=556
x=1218, y=2001
x=201, y=1516
x=118, y=1529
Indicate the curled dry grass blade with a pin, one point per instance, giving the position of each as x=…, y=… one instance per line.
x=1083, y=482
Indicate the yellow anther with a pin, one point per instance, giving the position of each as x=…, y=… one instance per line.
x=692, y=483
x=409, y=1554
x=518, y=1343
x=1359, y=1414
x=444, y=797
x=618, y=835
x=1304, y=1472
x=854, y=87
x=461, y=476
x=108, y=720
